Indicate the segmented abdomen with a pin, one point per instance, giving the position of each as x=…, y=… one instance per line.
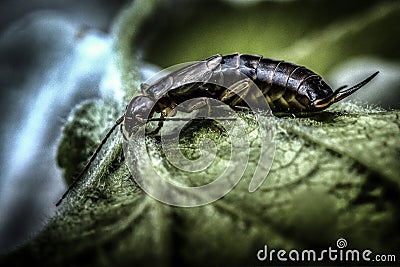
x=279, y=81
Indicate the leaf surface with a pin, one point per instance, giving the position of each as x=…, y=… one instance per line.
x=335, y=174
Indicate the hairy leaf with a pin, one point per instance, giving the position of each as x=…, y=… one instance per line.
x=335, y=174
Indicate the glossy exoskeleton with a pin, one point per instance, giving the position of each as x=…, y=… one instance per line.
x=287, y=87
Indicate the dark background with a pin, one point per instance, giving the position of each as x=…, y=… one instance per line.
x=54, y=54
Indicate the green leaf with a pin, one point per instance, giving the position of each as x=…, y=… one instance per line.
x=335, y=174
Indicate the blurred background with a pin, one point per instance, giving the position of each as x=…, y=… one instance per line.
x=54, y=54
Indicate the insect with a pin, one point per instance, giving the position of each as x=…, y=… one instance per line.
x=287, y=87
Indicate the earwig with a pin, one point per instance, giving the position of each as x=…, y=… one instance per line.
x=287, y=87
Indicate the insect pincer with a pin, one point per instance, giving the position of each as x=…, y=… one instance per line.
x=341, y=93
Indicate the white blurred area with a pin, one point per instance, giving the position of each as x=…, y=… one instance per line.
x=50, y=61
x=48, y=64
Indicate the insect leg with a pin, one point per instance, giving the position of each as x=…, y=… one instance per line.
x=238, y=92
x=92, y=158
x=159, y=126
x=239, y=88
x=195, y=104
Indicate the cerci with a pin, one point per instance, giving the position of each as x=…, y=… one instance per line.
x=287, y=87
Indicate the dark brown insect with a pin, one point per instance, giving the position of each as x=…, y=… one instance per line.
x=287, y=87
